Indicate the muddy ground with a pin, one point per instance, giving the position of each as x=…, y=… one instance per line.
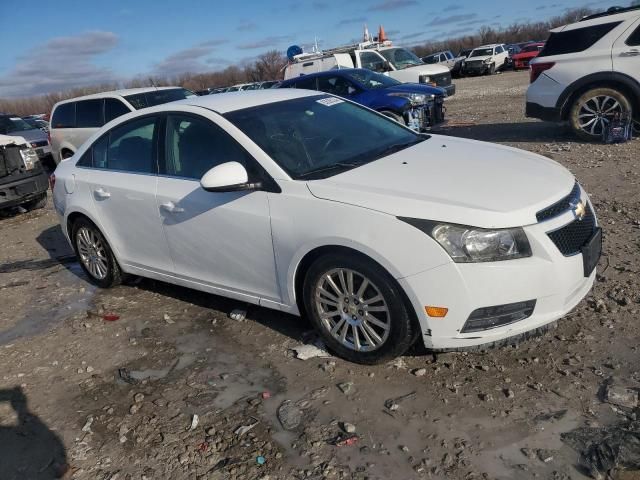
x=93, y=399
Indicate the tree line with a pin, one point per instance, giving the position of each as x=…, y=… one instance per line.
x=270, y=65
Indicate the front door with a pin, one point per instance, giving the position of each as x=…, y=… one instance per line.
x=122, y=178
x=219, y=239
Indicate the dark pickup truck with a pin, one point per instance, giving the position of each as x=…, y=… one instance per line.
x=23, y=181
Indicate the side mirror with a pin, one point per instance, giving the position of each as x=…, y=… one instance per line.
x=227, y=177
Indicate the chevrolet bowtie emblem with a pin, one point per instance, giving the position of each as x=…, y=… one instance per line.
x=579, y=210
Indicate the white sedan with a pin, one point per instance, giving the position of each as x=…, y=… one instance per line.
x=307, y=203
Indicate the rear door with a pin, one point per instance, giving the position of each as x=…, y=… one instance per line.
x=121, y=175
x=626, y=52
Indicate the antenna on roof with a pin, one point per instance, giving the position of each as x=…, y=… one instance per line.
x=152, y=83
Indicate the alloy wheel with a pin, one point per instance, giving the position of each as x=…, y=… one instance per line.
x=93, y=254
x=595, y=113
x=352, y=309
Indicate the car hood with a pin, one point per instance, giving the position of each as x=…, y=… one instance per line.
x=32, y=135
x=520, y=56
x=426, y=69
x=453, y=180
x=414, y=88
x=11, y=140
x=472, y=59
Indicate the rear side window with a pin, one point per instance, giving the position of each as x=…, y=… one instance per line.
x=577, y=40
x=89, y=114
x=130, y=147
x=634, y=38
x=64, y=116
x=114, y=108
x=308, y=83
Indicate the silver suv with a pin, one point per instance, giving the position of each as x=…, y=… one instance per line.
x=73, y=121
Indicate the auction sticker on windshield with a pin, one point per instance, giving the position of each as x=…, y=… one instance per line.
x=329, y=101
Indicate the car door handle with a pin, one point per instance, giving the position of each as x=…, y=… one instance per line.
x=634, y=52
x=101, y=193
x=171, y=207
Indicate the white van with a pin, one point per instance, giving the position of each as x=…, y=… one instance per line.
x=73, y=121
x=396, y=62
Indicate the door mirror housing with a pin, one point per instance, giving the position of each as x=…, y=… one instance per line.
x=227, y=177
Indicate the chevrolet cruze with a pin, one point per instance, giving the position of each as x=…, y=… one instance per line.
x=310, y=204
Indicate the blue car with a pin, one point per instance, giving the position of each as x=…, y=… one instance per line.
x=417, y=106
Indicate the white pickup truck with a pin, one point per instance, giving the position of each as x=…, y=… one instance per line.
x=396, y=62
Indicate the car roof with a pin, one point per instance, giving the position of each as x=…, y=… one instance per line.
x=231, y=101
x=490, y=45
x=339, y=72
x=116, y=93
x=604, y=17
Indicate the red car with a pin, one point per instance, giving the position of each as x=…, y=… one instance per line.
x=521, y=60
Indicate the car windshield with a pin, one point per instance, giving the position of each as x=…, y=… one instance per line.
x=370, y=80
x=482, y=52
x=320, y=136
x=14, y=124
x=401, y=58
x=158, y=97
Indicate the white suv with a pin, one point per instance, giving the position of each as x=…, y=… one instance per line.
x=588, y=72
x=486, y=60
x=74, y=120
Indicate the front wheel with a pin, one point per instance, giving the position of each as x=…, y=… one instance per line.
x=37, y=203
x=492, y=69
x=95, y=255
x=394, y=116
x=358, y=309
x=591, y=112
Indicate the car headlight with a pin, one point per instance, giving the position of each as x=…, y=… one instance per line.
x=29, y=158
x=488, y=60
x=424, y=79
x=466, y=244
x=415, y=98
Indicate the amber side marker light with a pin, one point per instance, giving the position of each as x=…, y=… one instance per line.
x=437, y=312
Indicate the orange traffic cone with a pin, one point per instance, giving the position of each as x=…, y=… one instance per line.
x=382, y=37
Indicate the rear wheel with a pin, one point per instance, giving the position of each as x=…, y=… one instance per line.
x=95, y=255
x=358, y=309
x=591, y=112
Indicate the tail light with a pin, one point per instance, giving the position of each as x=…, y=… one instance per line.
x=538, y=68
x=52, y=181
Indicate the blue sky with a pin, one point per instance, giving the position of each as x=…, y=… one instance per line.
x=73, y=43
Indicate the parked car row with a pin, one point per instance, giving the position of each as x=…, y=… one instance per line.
x=239, y=87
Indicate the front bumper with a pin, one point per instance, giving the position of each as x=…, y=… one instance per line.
x=21, y=188
x=557, y=284
x=475, y=68
x=422, y=118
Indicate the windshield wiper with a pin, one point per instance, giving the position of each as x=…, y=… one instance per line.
x=326, y=168
x=396, y=147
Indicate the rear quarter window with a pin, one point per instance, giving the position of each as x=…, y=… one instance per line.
x=634, y=38
x=577, y=40
x=64, y=116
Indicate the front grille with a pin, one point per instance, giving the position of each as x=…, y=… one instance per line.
x=561, y=205
x=441, y=79
x=572, y=237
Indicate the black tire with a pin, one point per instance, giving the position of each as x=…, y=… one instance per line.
x=394, y=116
x=113, y=276
x=66, y=154
x=576, y=107
x=36, y=203
x=492, y=69
x=402, y=331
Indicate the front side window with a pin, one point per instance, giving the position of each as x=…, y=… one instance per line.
x=89, y=113
x=130, y=147
x=114, y=108
x=634, y=38
x=372, y=61
x=370, y=80
x=194, y=145
x=401, y=58
x=64, y=116
x=320, y=136
x=336, y=86
x=576, y=40
x=158, y=97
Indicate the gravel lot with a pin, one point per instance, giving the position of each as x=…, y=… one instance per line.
x=174, y=388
